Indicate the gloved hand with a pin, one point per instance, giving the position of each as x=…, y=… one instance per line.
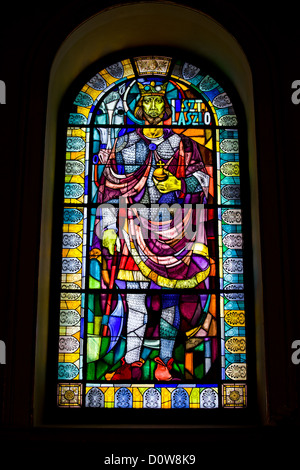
x=170, y=184
x=110, y=239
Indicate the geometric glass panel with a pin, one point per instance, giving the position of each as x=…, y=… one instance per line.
x=153, y=308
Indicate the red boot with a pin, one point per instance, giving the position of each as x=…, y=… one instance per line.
x=126, y=372
x=164, y=372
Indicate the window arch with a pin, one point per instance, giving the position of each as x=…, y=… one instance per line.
x=201, y=37
x=188, y=294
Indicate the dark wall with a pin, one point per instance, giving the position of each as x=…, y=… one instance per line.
x=31, y=34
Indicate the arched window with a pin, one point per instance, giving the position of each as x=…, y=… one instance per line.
x=152, y=305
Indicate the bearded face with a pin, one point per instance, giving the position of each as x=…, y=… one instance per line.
x=153, y=109
x=153, y=106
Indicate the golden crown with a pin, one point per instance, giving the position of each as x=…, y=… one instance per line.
x=152, y=88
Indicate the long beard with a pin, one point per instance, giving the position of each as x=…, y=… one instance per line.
x=153, y=120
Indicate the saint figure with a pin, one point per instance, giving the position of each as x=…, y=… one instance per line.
x=144, y=244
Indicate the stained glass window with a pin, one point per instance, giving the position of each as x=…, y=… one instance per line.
x=152, y=296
